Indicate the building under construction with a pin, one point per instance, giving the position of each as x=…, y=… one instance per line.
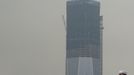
x=84, y=38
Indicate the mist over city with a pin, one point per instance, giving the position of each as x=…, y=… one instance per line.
x=66, y=37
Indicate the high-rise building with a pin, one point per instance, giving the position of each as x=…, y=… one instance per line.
x=84, y=38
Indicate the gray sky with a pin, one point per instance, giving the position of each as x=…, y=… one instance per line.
x=118, y=36
x=32, y=38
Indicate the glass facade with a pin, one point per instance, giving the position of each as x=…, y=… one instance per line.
x=84, y=38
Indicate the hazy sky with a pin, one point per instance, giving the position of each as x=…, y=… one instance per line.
x=118, y=36
x=32, y=37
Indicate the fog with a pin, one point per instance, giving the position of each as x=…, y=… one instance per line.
x=32, y=37
x=118, y=36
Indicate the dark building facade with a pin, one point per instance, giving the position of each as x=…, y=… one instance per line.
x=84, y=38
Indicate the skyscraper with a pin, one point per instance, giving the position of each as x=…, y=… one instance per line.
x=84, y=38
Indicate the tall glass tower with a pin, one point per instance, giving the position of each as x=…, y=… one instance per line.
x=84, y=38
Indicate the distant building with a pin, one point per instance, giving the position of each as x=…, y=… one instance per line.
x=84, y=38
